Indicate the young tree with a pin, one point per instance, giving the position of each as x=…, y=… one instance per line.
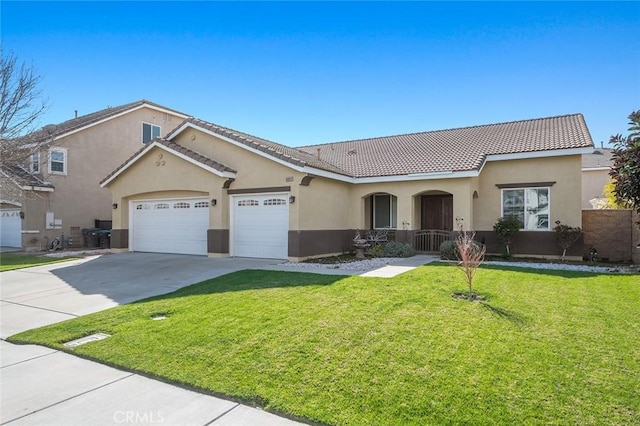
x=626, y=166
x=566, y=236
x=506, y=229
x=471, y=255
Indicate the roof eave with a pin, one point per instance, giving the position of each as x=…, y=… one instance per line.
x=156, y=144
x=120, y=114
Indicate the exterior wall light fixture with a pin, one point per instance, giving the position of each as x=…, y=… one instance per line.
x=292, y=199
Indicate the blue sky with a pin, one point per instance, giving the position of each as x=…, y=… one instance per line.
x=305, y=73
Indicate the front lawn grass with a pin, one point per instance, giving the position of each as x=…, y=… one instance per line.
x=547, y=347
x=11, y=261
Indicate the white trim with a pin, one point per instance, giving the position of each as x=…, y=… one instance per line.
x=152, y=145
x=38, y=188
x=524, y=194
x=13, y=203
x=395, y=178
x=152, y=126
x=143, y=105
x=33, y=161
x=595, y=169
x=538, y=154
x=65, y=162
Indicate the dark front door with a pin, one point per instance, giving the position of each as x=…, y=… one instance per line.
x=437, y=212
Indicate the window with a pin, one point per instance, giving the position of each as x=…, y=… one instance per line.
x=149, y=132
x=275, y=202
x=248, y=203
x=529, y=205
x=181, y=205
x=385, y=208
x=35, y=162
x=161, y=206
x=201, y=204
x=142, y=207
x=58, y=161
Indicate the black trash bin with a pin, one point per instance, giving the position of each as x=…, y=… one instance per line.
x=104, y=236
x=91, y=237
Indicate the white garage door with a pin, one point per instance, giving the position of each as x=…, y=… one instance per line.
x=170, y=226
x=260, y=226
x=10, y=228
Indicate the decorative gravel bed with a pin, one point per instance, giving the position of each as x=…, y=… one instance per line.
x=622, y=269
x=357, y=265
x=369, y=264
x=77, y=253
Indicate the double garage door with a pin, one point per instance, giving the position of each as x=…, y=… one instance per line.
x=259, y=226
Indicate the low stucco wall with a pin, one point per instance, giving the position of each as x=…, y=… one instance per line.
x=613, y=233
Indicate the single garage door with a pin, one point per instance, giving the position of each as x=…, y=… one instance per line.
x=171, y=226
x=261, y=226
x=10, y=228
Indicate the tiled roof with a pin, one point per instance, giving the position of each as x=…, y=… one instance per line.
x=177, y=148
x=23, y=178
x=462, y=149
x=95, y=117
x=600, y=157
x=290, y=155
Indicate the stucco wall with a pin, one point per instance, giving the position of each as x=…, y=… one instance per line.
x=92, y=154
x=593, y=182
x=565, y=194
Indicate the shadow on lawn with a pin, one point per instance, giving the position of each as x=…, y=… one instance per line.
x=553, y=272
x=252, y=279
x=512, y=316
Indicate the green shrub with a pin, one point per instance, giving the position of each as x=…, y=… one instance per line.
x=395, y=249
x=449, y=250
x=375, y=250
x=506, y=229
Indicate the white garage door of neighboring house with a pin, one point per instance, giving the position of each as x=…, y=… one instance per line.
x=10, y=228
x=260, y=226
x=170, y=226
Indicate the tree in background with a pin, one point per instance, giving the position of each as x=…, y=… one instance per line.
x=625, y=171
x=610, y=196
x=21, y=106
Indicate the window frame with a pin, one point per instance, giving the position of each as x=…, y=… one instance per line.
x=393, y=211
x=35, y=162
x=65, y=161
x=151, y=126
x=526, y=210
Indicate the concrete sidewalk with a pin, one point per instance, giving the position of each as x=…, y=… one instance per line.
x=45, y=386
x=41, y=386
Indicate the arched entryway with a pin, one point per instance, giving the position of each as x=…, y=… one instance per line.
x=434, y=211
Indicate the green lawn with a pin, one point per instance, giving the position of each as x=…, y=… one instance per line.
x=546, y=348
x=11, y=261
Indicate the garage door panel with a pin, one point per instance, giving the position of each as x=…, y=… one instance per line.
x=171, y=226
x=261, y=225
x=10, y=228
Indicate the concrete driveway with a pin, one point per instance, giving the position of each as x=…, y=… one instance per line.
x=45, y=386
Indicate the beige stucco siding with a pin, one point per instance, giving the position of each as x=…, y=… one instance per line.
x=593, y=183
x=324, y=204
x=409, y=201
x=160, y=174
x=92, y=154
x=565, y=194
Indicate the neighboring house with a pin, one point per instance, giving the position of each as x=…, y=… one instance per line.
x=595, y=175
x=209, y=190
x=60, y=189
